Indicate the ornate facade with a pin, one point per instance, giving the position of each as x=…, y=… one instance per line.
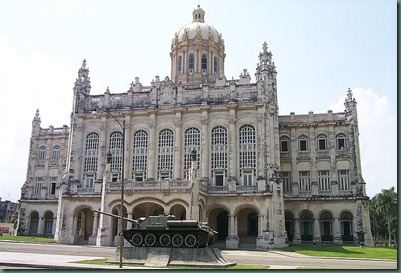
x=259, y=177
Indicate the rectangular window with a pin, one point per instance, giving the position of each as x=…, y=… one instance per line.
x=321, y=144
x=115, y=177
x=324, y=181
x=247, y=178
x=303, y=145
x=343, y=180
x=284, y=145
x=286, y=177
x=139, y=176
x=164, y=175
x=304, y=181
x=53, y=183
x=89, y=181
x=38, y=186
x=219, y=178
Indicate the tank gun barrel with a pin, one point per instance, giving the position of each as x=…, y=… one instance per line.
x=115, y=216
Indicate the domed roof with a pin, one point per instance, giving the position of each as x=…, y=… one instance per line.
x=198, y=29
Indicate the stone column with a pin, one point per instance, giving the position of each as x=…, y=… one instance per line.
x=152, y=160
x=41, y=225
x=129, y=223
x=177, y=147
x=205, y=142
x=337, y=231
x=74, y=227
x=296, y=240
x=95, y=223
x=232, y=240
x=316, y=231
x=260, y=224
x=232, y=150
x=128, y=149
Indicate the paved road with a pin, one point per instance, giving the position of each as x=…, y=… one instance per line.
x=48, y=254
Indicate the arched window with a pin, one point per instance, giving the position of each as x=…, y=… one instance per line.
x=346, y=227
x=303, y=144
x=179, y=66
x=215, y=65
x=56, y=153
x=166, y=154
x=341, y=140
x=140, y=156
x=289, y=227
x=42, y=153
x=48, y=230
x=191, y=63
x=326, y=229
x=284, y=144
x=33, y=223
x=91, y=159
x=204, y=64
x=252, y=224
x=116, y=149
x=306, y=227
x=191, y=142
x=219, y=155
x=247, y=155
x=322, y=143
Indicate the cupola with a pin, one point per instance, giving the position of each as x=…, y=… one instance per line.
x=197, y=52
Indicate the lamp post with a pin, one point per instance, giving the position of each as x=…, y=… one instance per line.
x=122, y=125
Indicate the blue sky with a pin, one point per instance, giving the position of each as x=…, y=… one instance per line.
x=320, y=49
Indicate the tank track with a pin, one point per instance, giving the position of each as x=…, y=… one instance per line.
x=169, y=238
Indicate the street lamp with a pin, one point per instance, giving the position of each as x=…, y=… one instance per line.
x=122, y=125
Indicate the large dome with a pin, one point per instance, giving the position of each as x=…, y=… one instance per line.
x=198, y=29
x=190, y=31
x=197, y=52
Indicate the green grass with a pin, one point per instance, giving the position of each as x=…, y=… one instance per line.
x=376, y=252
x=27, y=239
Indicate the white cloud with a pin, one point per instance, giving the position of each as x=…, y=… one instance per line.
x=378, y=138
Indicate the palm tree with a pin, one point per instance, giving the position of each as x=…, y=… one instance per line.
x=387, y=207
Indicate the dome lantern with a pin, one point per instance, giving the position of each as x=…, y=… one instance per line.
x=198, y=15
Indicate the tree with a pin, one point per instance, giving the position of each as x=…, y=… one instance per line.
x=387, y=207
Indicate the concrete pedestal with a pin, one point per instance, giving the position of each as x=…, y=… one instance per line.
x=165, y=256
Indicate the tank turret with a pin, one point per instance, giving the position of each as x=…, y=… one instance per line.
x=166, y=230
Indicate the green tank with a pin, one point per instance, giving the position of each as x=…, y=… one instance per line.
x=167, y=231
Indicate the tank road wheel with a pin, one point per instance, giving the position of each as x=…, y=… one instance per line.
x=201, y=238
x=177, y=240
x=164, y=240
x=190, y=240
x=150, y=240
x=137, y=239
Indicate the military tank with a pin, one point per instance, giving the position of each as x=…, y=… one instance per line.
x=166, y=230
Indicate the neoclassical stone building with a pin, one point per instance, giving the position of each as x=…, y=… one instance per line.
x=259, y=177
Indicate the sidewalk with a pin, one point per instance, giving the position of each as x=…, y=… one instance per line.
x=53, y=261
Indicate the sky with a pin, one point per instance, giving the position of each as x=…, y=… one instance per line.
x=320, y=49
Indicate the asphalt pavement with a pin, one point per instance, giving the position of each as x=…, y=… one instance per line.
x=14, y=256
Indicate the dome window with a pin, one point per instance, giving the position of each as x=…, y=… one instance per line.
x=180, y=64
x=191, y=63
x=204, y=64
x=215, y=65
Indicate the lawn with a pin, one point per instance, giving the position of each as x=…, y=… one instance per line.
x=376, y=252
x=28, y=239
